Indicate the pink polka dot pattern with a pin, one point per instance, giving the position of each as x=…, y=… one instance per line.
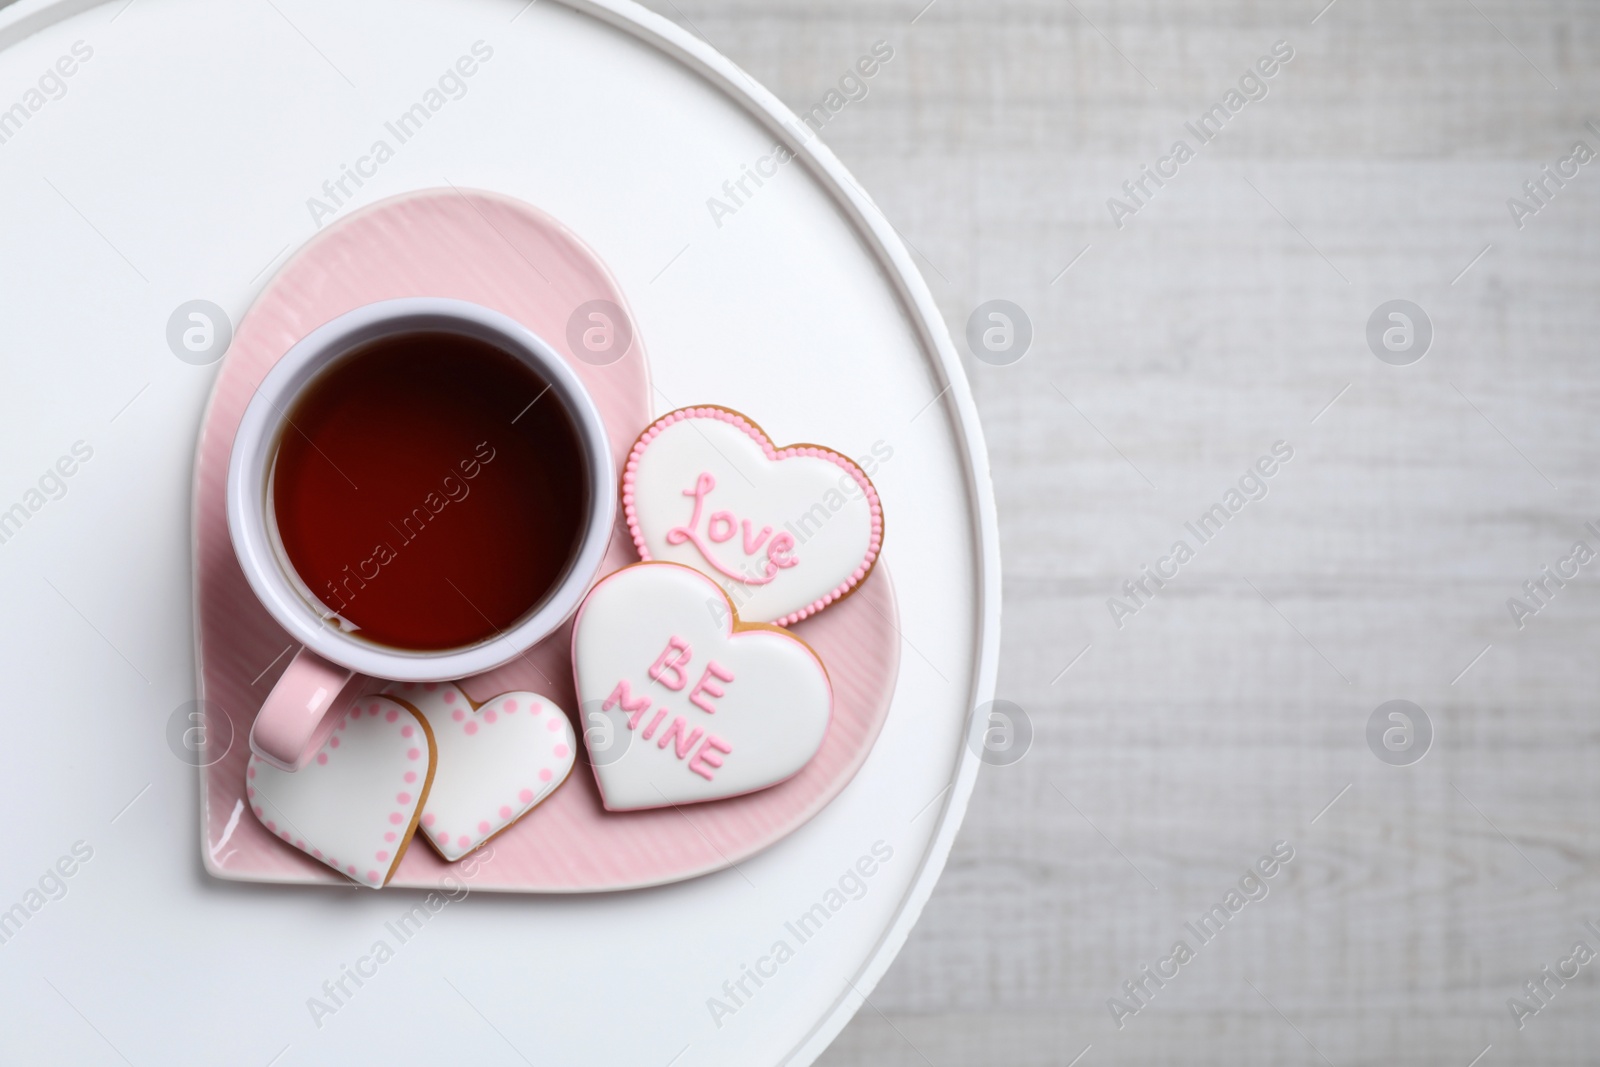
x=333, y=800
x=630, y=509
x=487, y=755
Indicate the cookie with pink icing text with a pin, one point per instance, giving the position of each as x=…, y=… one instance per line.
x=355, y=805
x=682, y=704
x=784, y=531
x=497, y=761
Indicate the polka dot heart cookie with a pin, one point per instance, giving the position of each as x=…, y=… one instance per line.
x=497, y=761
x=355, y=806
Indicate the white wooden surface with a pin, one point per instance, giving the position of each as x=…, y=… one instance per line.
x=1225, y=316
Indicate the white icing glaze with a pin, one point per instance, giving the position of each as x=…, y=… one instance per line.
x=355, y=805
x=785, y=532
x=496, y=762
x=663, y=634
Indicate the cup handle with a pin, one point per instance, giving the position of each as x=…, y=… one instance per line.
x=297, y=717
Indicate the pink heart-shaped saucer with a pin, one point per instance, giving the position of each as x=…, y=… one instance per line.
x=507, y=255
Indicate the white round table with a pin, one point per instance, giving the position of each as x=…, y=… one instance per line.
x=161, y=151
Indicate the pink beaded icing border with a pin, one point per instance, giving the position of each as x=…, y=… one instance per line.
x=759, y=436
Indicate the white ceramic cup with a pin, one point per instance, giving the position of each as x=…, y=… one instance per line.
x=321, y=680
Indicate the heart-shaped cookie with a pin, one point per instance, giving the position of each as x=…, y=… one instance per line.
x=355, y=805
x=497, y=761
x=681, y=701
x=784, y=531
